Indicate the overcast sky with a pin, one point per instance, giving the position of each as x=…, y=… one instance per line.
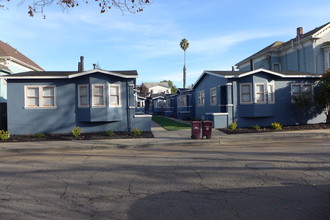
x=220, y=32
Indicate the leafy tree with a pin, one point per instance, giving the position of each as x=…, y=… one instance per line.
x=184, y=44
x=173, y=87
x=322, y=96
x=37, y=6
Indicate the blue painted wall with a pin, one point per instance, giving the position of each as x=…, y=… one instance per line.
x=67, y=115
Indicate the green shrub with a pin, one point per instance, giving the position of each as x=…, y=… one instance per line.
x=40, y=135
x=76, y=131
x=110, y=133
x=4, y=135
x=233, y=126
x=276, y=126
x=256, y=127
x=136, y=132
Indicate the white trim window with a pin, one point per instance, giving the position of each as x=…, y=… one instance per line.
x=114, y=95
x=260, y=93
x=40, y=97
x=183, y=101
x=213, y=96
x=276, y=67
x=245, y=93
x=98, y=94
x=201, y=98
x=83, y=96
x=271, y=93
x=297, y=89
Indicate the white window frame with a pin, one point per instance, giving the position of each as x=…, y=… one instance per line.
x=301, y=85
x=94, y=95
x=213, y=96
x=118, y=95
x=40, y=97
x=271, y=94
x=87, y=96
x=183, y=100
x=201, y=98
x=241, y=94
x=256, y=93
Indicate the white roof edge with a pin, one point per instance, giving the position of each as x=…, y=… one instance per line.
x=101, y=71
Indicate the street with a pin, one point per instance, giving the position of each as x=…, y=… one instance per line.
x=271, y=180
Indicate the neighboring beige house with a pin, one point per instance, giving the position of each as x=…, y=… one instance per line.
x=12, y=61
x=148, y=89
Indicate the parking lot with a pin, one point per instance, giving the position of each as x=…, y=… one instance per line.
x=272, y=180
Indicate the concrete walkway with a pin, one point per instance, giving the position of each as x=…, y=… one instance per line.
x=164, y=137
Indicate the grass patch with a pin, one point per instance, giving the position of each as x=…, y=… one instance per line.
x=169, y=124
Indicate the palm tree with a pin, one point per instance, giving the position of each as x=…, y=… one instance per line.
x=184, y=44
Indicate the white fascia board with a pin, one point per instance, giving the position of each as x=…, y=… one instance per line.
x=22, y=63
x=278, y=74
x=34, y=77
x=100, y=71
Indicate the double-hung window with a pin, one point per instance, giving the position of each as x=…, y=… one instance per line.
x=201, y=98
x=271, y=93
x=40, y=96
x=213, y=96
x=114, y=95
x=83, y=94
x=260, y=93
x=245, y=93
x=299, y=89
x=98, y=95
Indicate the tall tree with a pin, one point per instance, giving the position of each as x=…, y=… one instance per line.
x=170, y=84
x=37, y=6
x=184, y=44
x=323, y=94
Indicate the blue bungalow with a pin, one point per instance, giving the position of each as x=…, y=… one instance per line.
x=185, y=105
x=56, y=102
x=254, y=97
x=171, y=105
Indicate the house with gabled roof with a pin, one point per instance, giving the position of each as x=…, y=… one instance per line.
x=58, y=101
x=257, y=97
x=12, y=61
x=306, y=52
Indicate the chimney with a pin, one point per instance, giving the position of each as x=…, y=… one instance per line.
x=94, y=66
x=82, y=63
x=232, y=68
x=300, y=33
x=251, y=65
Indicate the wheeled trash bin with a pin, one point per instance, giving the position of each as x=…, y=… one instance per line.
x=207, y=129
x=196, y=129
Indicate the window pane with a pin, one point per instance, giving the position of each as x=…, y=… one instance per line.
x=48, y=101
x=32, y=101
x=260, y=89
x=83, y=90
x=34, y=92
x=296, y=89
x=245, y=89
x=48, y=91
x=307, y=88
x=114, y=100
x=246, y=98
x=260, y=97
x=83, y=100
x=98, y=100
x=98, y=90
x=114, y=90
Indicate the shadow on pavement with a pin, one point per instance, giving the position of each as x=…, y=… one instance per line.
x=291, y=201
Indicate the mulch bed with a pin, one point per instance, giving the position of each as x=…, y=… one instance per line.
x=269, y=129
x=84, y=136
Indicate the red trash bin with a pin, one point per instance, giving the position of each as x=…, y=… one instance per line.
x=207, y=129
x=196, y=129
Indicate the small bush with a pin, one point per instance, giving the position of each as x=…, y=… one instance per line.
x=76, y=131
x=40, y=136
x=110, y=133
x=233, y=126
x=4, y=135
x=256, y=127
x=276, y=126
x=136, y=132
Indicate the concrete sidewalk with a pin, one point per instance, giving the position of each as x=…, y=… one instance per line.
x=164, y=137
